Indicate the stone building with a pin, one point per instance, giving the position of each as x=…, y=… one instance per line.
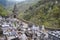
x=14, y=12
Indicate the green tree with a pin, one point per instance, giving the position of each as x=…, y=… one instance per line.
x=3, y=12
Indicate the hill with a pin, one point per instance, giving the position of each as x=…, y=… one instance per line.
x=3, y=11
x=22, y=6
x=45, y=12
x=3, y=2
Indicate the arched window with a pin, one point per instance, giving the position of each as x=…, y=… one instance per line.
x=14, y=16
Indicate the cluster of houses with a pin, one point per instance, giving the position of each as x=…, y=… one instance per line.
x=14, y=29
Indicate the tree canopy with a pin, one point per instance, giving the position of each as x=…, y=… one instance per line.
x=44, y=13
x=3, y=11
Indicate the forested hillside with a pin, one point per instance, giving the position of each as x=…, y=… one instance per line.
x=3, y=11
x=45, y=12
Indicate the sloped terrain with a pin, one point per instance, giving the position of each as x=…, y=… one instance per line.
x=45, y=12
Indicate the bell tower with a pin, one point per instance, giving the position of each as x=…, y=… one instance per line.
x=15, y=11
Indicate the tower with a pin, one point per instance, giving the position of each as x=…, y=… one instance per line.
x=15, y=11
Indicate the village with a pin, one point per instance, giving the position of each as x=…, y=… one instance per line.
x=12, y=28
